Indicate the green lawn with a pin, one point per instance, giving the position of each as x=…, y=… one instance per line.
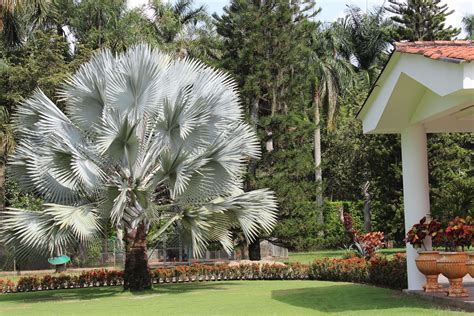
x=308, y=257
x=222, y=298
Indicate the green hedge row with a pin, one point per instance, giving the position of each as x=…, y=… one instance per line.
x=378, y=271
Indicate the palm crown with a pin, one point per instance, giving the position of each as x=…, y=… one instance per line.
x=146, y=139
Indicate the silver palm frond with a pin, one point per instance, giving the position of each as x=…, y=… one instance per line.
x=145, y=138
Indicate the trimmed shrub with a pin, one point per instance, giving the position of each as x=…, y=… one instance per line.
x=388, y=273
x=378, y=271
x=353, y=269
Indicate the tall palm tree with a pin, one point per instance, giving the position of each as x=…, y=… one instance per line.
x=368, y=39
x=468, y=25
x=331, y=73
x=14, y=14
x=172, y=19
x=147, y=140
x=6, y=146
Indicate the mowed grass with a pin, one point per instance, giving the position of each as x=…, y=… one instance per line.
x=308, y=257
x=223, y=298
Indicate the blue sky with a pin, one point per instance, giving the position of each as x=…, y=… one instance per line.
x=332, y=9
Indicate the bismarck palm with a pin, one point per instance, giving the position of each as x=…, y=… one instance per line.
x=146, y=140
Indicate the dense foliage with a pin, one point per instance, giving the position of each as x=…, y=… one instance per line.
x=283, y=59
x=422, y=20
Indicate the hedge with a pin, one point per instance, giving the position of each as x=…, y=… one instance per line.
x=378, y=271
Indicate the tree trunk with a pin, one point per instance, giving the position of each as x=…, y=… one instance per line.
x=105, y=251
x=253, y=122
x=1, y=15
x=3, y=162
x=318, y=176
x=254, y=250
x=254, y=247
x=367, y=208
x=136, y=274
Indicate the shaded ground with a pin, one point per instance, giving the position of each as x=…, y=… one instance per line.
x=223, y=298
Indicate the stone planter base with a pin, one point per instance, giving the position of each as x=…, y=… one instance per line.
x=432, y=285
x=427, y=264
x=456, y=289
x=453, y=266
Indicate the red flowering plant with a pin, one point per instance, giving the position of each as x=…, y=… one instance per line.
x=364, y=244
x=459, y=234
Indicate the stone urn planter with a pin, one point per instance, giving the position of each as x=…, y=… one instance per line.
x=453, y=266
x=470, y=264
x=427, y=264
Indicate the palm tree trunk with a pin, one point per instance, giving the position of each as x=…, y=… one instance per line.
x=1, y=15
x=253, y=247
x=254, y=250
x=136, y=275
x=318, y=176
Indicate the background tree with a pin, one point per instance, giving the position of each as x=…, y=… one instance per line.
x=98, y=24
x=6, y=146
x=421, y=20
x=331, y=74
x=367, y=41
x=261, y=46
x=170, y=19
x=468, y=25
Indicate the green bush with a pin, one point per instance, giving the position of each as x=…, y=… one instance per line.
x=334, y=233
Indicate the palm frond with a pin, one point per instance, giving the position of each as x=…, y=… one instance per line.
x=48, y=232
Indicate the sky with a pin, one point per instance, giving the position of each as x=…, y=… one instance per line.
x=333, y=9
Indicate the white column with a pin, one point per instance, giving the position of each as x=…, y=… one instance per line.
x=416, y=194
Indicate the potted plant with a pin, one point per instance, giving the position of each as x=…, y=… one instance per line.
x=470, y=261
x=457, y=237
x=427, y=259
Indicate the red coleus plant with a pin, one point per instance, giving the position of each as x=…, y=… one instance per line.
x=418, y=232
x=364, y=244
x=370, y=242
x=436, y=232
x=459, y=233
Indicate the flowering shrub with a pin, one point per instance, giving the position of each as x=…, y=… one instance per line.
x=28, y=283
x=6, y=286
x=388, y=273
x=378, y=270
x=335, y=269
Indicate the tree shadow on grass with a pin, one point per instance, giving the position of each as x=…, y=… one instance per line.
x=110, y=291
x=347, y=297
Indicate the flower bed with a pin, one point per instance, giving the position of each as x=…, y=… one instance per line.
x=378, y=271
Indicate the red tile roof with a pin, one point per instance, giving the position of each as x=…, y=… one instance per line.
x=462, y=50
